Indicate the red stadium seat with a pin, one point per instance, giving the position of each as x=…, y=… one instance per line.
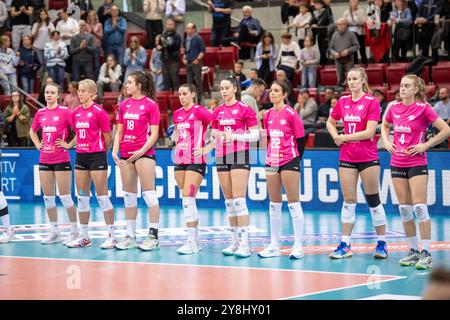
x=382, y=89
x=390, y=95
x=162, y=98
x=310, y=141
x=295, y=93
x=328, y=77
x=431, y=90
x=182, y=76
x=57, y=4
x=109, y=100
x=174, y=102
x=394, y=73
x=205, y=34
x=33, y=105
x=141, y=35
x=297, y=80
x=163, y=125
x=440, y=73
x=426, y=74
x=210, y=58
x=148, y=52
x=226, y=58
x=376, y=74
x=4, y=101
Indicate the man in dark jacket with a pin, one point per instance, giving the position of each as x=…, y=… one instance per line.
x=169, y=45
x=82, y=48
x=195, y=51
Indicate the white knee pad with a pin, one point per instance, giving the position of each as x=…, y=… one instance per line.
x=421, y=211
x=240, y=207
x=3, y=202
x=50, y=202
x=130, y=200
x=104, y=202
x=348, y=213
x=66, y=200
x=296, y=211
x=229, y=208
x=406, y=212
x=378, y=216
x=275, y=210
x=190, y=209
x=150, y=197
x=83, y=203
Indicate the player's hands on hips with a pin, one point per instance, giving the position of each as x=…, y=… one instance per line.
x=63, y=144
x=392, y=148
x=418, y=148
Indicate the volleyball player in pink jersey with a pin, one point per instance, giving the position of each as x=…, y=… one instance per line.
x=137, y=132
x=191, y=123
x=54, y=122
x=234, y=125
x=285, y=146
x=410, y=119
x=93, y=139
x=360, y=113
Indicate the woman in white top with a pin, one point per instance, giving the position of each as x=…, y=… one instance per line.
x=41, y=35
x=356, y=20
x=301, y=23
x=109, y=76
x=67, y=27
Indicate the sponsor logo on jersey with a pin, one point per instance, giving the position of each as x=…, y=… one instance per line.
x=82, y=125
x=131, y=116
x=235, y=111
x=360, y=107
x=44, y=119
x=411, y=118
x=276, y=133
x=48, y=129
x=346, y=107
x=191, y=116
x=184, y=125
x=396, y=116
x=221, y=112
x=283, y=122
x=227, y=122
x=141, y=107
x=352, y=118
x=55, y=118
x=400, y=128
x=89, y=115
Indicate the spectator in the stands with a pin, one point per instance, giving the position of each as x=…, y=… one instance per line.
x=55, y=54
x=281, y=76
x=195, y=51
x=266, y=56
x=320, y=22
x=68, y=27
x=82, y=49
x=8, y=62
x=401, y=19
x=289, y=8
x=153, y=10
x=289, y=55
x=248, y=30
x=426, y=20
x=309, y=59
x=95, y=28
x=342, y=46
x=29, y=64
x=237, y=72
x=252, y=75
x=169, y=45
x=109, y=77
x=252, y=95
x=385, y=9
x=135, y=57
x=377, y=93
x=85, y=6
x=221, y=15
x=324, y=109
x=71, y=99
x=175, y=10
x=3, y=24
x=104, y=12
x=114, y=34
x=21, y=13
x=442, y=107
x=17, y=117
x=41, y=34
x=302, y=23
x=156, y=67
x=356, y=21
x=306, y=106
x=41, y=97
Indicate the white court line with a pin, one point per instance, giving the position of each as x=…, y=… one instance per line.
x=344, y=288
x=197, y=265
x=392, y=297
x=12, y=197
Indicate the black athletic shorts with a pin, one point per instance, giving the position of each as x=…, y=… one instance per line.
x=153, y=157
x=65, y=166
x=91, y=161
x=293, y=165
x=231, y=161
x=199, y=168
x=408, y=173
x=361, y=166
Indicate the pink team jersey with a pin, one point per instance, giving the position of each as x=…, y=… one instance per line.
x=137, y=116
x=55, y=125
x=283, y=128
x=236, y=118
x=90, y=124
x=191, y=129
x=410, y=124
x=355, y=115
